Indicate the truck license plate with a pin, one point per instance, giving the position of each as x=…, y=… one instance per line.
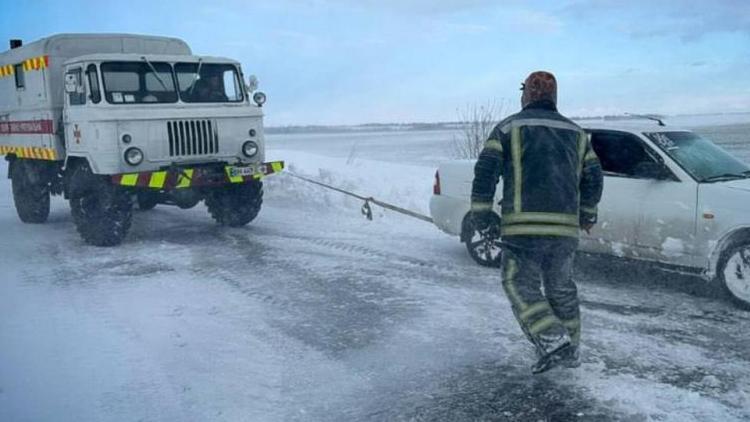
x=241, y=171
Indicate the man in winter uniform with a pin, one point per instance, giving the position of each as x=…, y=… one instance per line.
x=552, y=183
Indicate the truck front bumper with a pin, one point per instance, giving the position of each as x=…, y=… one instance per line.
x=202, y=176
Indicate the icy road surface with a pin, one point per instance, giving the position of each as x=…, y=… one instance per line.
x=313, y=313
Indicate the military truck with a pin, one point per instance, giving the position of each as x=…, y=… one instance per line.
x=111, y=121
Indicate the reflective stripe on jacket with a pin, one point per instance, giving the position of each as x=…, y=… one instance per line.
x=552, y=179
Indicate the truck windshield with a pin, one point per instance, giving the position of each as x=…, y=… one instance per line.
x=137, y=82
x=216, y=83
x=704, y=160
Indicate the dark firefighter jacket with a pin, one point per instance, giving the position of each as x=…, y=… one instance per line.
x=552, y=179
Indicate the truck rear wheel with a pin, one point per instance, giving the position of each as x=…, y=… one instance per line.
x=31, y=192
x=235, y=205
x=102, y=212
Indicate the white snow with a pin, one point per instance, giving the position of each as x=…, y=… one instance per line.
x=672, y=247
x=313, y=313
x=408, y=186
x=618, y=249
x=702, y=120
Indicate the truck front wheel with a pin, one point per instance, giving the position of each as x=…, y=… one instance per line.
x=31, y=193
x=235, y=205
x=102, y=212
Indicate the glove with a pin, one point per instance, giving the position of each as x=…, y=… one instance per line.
x=587, y=221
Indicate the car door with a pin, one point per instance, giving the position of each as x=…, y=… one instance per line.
x=646, y=211
x=667, y=225
x=616, y=230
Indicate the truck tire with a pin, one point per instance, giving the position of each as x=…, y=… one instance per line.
x=147, y=200
x=235, y=205
x=734, y=273
x=31, y=192
x=102, y=212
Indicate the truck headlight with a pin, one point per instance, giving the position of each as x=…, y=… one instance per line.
x=249, y=148
x=259, y=98
x=133, y=156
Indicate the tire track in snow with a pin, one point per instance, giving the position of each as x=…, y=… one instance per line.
x=399, y=265
x=315, y=307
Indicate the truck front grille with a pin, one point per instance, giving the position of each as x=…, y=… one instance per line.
x=192, y=137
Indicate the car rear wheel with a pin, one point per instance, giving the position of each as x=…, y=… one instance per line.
x=484, y=246
x=734, y=273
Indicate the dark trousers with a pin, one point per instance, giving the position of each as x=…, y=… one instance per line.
x=530, y=263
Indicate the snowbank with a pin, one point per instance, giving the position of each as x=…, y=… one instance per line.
x=407, y=186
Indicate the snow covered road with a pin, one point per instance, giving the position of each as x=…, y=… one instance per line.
x=313, y=313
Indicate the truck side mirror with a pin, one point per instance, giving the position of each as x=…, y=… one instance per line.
x=71, y=83
x=252, y=83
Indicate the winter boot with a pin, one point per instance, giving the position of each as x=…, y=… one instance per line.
x=573, y=360
x=556, y=350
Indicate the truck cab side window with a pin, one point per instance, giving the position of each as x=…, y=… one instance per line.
x=232, y=86
x=20, y=76
x=78, y=97
x=93, y=76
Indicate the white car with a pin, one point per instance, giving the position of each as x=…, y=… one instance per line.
x=670, y=197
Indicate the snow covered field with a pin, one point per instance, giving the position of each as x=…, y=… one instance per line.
x=314, y=313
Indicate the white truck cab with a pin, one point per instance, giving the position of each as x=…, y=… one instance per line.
x=113, y=119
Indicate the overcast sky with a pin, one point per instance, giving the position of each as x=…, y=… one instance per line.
x=343, y=62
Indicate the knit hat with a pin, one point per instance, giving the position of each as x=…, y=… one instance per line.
x=539, y=86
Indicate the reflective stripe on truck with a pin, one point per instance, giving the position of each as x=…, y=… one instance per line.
x=193, y=177
x=34, y=63
x=30, y=152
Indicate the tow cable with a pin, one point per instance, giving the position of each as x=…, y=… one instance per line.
x=366, y=208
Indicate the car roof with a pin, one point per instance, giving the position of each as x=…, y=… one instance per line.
x=629, y=125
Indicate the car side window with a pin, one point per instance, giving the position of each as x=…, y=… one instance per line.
x=624, y=155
